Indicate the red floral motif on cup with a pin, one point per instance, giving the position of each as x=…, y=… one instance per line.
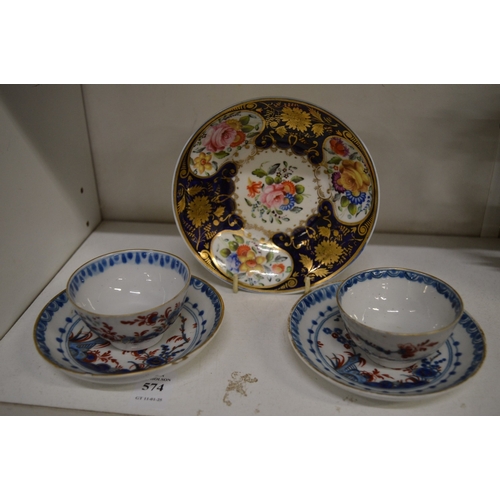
x=409, y=350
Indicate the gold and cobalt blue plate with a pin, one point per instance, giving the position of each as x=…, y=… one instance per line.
x=275, y=192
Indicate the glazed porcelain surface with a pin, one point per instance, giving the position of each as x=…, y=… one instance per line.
x=64, y=340
x=397, y=316
x=130, y=297
x=319, y=337
x=274, y=191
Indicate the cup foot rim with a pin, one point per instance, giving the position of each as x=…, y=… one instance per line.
x=388, y=363
x=138, y=347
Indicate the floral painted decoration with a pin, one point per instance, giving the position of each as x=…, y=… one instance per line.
x=350, y=179
x=407, y=350
x=277, y=193
x=154, y=323
x=100, y=359
x=255, y=263
x=221, y=141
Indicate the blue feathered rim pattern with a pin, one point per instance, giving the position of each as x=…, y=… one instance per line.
x=138, y=257
x=441, y=287
x=317, y=296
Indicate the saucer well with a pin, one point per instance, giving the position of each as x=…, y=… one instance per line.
x=63, y=340
x=319, y=338
x=275, y=193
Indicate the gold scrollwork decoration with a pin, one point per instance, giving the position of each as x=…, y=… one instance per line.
x=351, y=137
x=365, y=227
x=289, y=283
x=292, y=139
x=313, y=150
x=205, y=255
x=267, y=140
x=184, y=171
x=299, y=240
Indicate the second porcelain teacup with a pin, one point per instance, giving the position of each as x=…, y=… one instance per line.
x=398, y=316
x=130, y=297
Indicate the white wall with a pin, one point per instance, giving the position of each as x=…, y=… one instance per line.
x=45, y=163
x=434, y=146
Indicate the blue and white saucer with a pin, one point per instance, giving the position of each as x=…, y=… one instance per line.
x=63, y=340
x=319, y=337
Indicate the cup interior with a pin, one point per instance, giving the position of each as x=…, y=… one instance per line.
x=394, y=303
x=128, y=282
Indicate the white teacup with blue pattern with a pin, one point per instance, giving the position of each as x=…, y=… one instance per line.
x=130, y=297
x=398, y=316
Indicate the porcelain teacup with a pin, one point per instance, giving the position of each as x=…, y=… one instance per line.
x=398, y=316
x=130, y=297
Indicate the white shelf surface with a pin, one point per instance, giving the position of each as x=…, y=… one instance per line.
x=250, y=367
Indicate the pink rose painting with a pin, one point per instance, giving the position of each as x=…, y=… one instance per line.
x=222, y=140
x=278, y=195
x=273, y=196
x=219, y=137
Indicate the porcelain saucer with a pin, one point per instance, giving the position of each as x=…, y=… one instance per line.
x=319, y=337
x=275, y=193
x=63, y=340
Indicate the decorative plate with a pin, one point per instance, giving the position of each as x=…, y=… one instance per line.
x=273, y=191
x=318, y=336
x=63, y=340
